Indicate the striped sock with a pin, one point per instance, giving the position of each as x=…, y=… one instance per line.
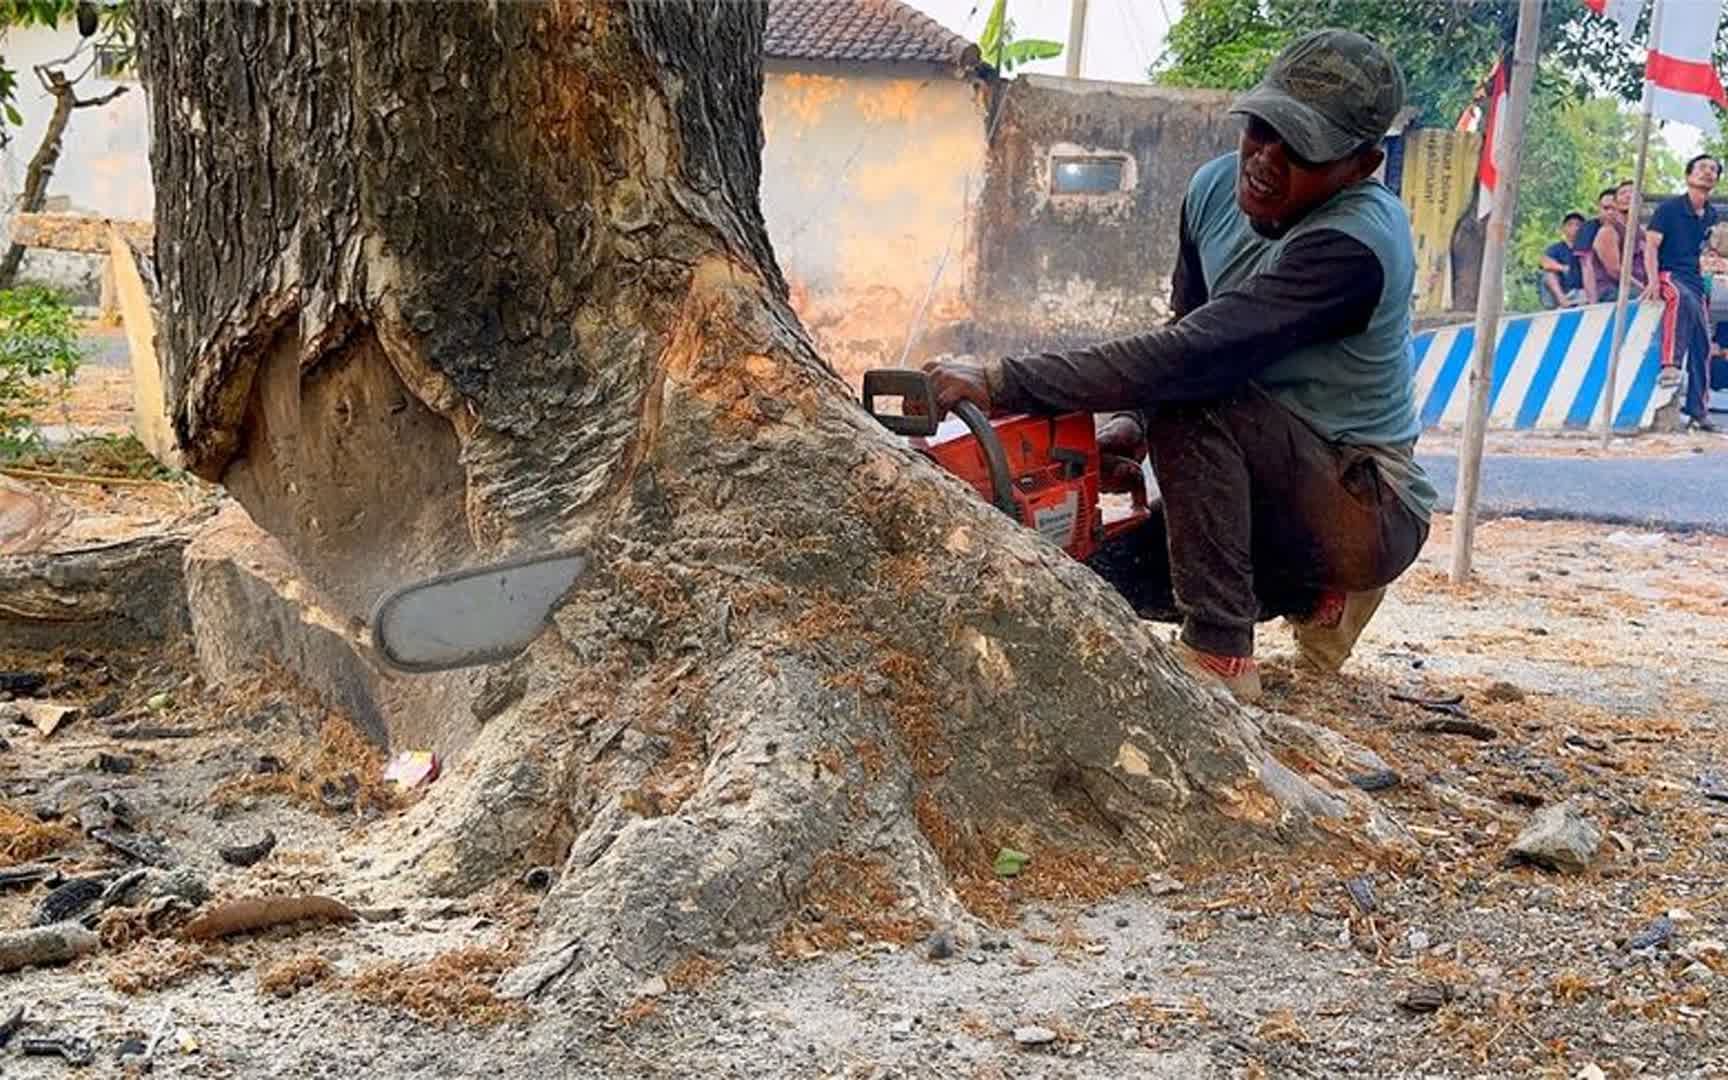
x=1226, y=667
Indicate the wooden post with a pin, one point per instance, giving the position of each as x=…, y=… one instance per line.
x=1627, y=244
x=1509, y=150
x=1076, y=36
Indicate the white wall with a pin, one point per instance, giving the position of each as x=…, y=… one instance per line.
x=104, y=165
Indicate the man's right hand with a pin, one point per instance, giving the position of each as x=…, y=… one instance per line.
x=1121, y=447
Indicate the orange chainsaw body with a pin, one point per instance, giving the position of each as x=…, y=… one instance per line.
x=1051, y=464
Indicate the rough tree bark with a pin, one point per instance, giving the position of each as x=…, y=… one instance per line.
x=450, y=281
x=41, y=167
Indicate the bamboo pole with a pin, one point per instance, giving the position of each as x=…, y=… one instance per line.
x=1627, y=244
x=1490, y=299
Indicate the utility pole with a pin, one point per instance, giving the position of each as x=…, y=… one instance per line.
x=1490, y=298
x=1076, y=36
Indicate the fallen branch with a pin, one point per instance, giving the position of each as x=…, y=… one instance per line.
x=55, y=944
x=22, y=473
x=244, y=916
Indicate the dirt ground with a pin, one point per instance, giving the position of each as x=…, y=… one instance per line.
x=1595, y=661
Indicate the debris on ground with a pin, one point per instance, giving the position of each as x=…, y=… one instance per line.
x=70, y=899
x=261, y=913
x=9, y=1027
x=1427, y=999
x=74, y=1050
x=248, y=854
x=1009, y=862
x=57, y=944
x=1034, y=1035
x=25, y=874
x=457, y=985
x=412, y=768
x=1558, y=838
x=1657, y=932
x=288, y=977
x=48, y=716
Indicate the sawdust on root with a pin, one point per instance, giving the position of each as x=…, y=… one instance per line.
x=452, y=987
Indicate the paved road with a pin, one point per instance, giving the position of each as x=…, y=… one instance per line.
x=1688, y=493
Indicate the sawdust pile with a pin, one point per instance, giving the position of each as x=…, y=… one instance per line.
x=339, y=773
x=153, y=965
x=451, y=987
x=23, y=838
x=288, y=977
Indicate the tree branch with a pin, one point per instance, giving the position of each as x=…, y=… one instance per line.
x=84, y=103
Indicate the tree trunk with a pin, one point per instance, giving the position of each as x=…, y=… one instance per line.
x=451, y=281
x=40, y=171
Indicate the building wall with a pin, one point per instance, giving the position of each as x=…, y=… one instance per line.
x=867, y=175
x=1063, y=269
x=104, y=166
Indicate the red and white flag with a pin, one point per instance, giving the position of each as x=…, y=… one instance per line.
x=1493, y=127
x=1623, y=12
x=1682, y=77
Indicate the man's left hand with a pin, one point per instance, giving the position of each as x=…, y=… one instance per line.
x=954, y=382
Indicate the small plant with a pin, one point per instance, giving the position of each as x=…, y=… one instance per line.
x=998, y=47
x=39, y=348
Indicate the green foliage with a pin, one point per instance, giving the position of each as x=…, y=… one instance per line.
x=1444, y=46
x=998, y=47
x=39, y=348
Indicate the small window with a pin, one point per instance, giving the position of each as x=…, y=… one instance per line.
x=1087, y=175
x=116, y=62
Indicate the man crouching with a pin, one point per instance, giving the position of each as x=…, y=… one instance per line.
x=1278, y=407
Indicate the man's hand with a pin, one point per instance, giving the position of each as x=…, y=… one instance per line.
x=954, y=382
x=1121, y=446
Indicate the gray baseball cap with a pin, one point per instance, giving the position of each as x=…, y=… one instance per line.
x=1327, y=94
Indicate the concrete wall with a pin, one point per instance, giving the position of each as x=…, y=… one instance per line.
x=104, y=166
x=867, y=175
x=1065, y=269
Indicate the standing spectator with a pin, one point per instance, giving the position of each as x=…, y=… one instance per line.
x=1596, y=289
x=1562, y=278
x=1607, y=244
x=1677, y=233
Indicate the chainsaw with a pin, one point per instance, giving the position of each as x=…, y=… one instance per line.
x=1042, y=471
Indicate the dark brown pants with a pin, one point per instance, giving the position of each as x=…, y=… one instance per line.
x=1259, y=516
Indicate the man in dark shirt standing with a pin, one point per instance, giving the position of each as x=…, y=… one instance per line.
x=1676, y=238
x=1562, y=278
x=1278, y=408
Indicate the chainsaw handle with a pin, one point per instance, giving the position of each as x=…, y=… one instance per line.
x=995, y=458
x=907, y=384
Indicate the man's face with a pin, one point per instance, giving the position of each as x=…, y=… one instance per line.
x=1623, y=199
x=1704, y=174
x=1275, y=187
x=1569, y=230
x=1605, y=207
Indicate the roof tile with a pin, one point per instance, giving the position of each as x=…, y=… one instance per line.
x=860, y=30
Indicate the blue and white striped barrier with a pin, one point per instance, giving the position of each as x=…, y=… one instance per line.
x=1550, y=370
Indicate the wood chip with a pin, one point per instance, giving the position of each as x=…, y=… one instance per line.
x=245, y=916
x=46, y=716
x=1427, y=999
x=1455, y=726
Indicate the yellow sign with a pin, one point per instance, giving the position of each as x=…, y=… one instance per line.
x=1439, y=184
